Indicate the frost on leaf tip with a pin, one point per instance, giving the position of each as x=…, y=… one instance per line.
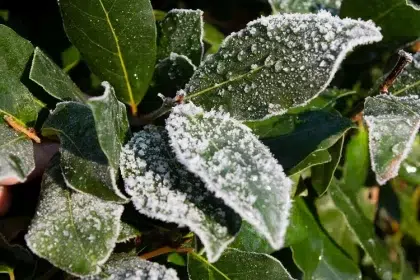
x=234, y=165
x=276, y=63
x=393, y=124
x=162, y=188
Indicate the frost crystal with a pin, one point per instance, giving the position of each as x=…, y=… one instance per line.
x=235, y=165
x=286, y=59
x=304, y=6
x=393, y=124
x=161, y=188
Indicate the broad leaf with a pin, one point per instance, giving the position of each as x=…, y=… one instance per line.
x=346, y=201
x=117, y=40
x=313, y=252
x=74, y=231
x=127, y=232
x=181, y=32
x=16, y=154
x=249, y=240
x=235, y=166
x=276, y=63
x=53, y=79
x=16, y=261
x=398, y=19
x=393, y=124
x=85, y=166
x=161, y=188
x=304, y=6
x=15, y=98
x=408, y=82
x=236, y=265
x=121, y=266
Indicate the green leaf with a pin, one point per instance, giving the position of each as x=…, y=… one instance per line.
x=305, y=6
x=177, y=259
x=73, y=231
x=181, y=32
x=323, y=174
x=117, y=40
x=161, y=188
x=393, y=124
x=313, y=252
x=122, y=266
x=346, y=201
x=16, y=154
x=249, y=240
x=85, y=166
x=235, y=166
x=127, y=232
x=409, y=170
x=399, y=21
x=408, y=82
x=70, y=58
x=53, y=79
x=236, y=265
x=16, y=260
x=276, y=63
x=15, y=98
x=213, y=37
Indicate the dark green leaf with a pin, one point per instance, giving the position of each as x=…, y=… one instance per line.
x=16, y=260
x=235, y=166
x=181, y=32
x=276, y=63
x=53, y=79
x=305, y=6
x=236, y=265
x=16, y=154
x=118, y=41
x=85, y=166
x=74, y=231
x=70, y=58
x=161, y=188
x=399, y=21
x=177, y=259
x=249, y=240
x=127, y=232
x=393, y=124
x=408, y=82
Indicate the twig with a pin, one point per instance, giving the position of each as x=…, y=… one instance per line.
x=165, y=250
x=30, y=132
x=404, y=59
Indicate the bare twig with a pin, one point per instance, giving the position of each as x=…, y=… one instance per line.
x=165, y=250
x=404, y=59
x=30, y=132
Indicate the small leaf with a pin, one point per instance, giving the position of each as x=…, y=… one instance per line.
x=161, y=188
x=74, y=231
x=85, y=166
x=393, y=124
x=177, y=259
x=305, y=6
x=15, y=98
x=16, y=260
x=70, y=58
x=276, y=63
x=16, y=154
x=236, y=265
x=213, y=37
x=181, y=32
x=53, y=79
x=127, y=232
x=235, y=166
x=117, y=40
x=408, y=82
x=345, y=200
x=122, y=266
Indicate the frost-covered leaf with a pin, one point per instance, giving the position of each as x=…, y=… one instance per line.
x=235, y=165
x=408, y=82
x=111, y=124
x=16, y=260
x=16, y=154
x=393, y=124
x=277, y=63
x=15, y=98
x=122, y=267
x=127, y=232
x=305, y=6
x=161, y=188
x=73, y=231
x=249, y=240
x=410, y=168
x=85, y=166
x=181, y=32
x=53, y=79
x=236, y=265
x=117, y=40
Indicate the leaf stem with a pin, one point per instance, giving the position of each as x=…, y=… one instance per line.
x=403, y=60
x=11, y=275
x=30, y=132
x=165, y=250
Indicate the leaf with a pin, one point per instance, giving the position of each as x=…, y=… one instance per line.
x=127, y=232
x=323, y=174
x=177, y=259
x=16, y=260
x=393, y=124
x=364, y=230
x=409, y=170
x=305, y=6
x=249, y=240
x=398, y=19
x=16, y=154
x=276, y=63
x=117, y=40
x=161, y=188
x=122, y=266
x=314, y=253
x=408, y=82
x=213, y=37
x=53, y=79
x=236, y=265
x=73, y=231
x=70, y=58
x=85, y=166
x=235, y=166
x=15, y=98
x=181, y=32
x=299, y=141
